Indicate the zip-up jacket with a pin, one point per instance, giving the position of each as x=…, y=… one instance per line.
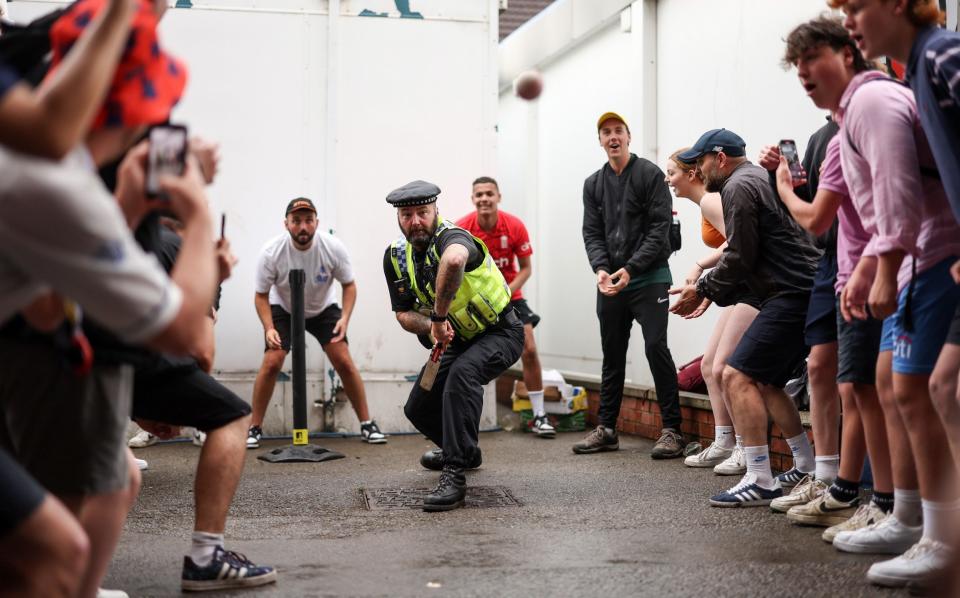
x=766, y=248
x=626, y=218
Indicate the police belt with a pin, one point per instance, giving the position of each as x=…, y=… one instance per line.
x=508, y=318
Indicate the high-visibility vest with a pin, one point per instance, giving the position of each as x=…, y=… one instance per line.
x=481, y=298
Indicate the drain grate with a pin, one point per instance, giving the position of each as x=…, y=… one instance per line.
x=478, y=497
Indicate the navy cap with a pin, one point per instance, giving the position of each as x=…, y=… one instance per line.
x=300, y=203
x=715, y=140
x=417, y=193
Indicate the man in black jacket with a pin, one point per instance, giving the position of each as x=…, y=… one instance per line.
x=626, y=223
x=767, y=250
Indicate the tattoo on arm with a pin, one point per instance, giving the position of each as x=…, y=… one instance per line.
x=450, y=276
x=414, y=322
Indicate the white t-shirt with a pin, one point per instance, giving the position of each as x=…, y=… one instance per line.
x=60, y=228
x=325, y=260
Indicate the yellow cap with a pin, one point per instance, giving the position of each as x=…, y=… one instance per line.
x=607, y=116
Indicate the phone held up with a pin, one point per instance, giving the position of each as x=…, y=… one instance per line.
x=788, y=149
x=167, y=155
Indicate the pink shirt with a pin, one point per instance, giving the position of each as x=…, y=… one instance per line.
x=851, y=238
x=898, y=207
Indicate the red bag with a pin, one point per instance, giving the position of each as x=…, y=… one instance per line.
x=690, y=379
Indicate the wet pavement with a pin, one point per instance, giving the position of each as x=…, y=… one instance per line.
x=613, y=524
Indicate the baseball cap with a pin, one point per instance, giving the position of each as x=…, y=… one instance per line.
x=715, y=140
x=148, y=82
x=607, y=116
x=300, y=203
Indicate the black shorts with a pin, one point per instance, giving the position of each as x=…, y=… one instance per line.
x=320, y=326
x=953, y=337
x=524, y=312
x=821, y=325
x=773, y=347
x=858, y=344
x=186, y=397
x=20, y=495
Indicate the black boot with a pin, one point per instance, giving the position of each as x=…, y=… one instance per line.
x=433, y=460
x=449, y=493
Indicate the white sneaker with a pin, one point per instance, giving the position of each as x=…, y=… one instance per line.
x=735, y=464
x=101, y=593
x=888, y=536
x=808, y=489
x=925, y=562
x=142, y=439
x=199, y=437
x=867, y=514
x=141, y=464
x=711, y=456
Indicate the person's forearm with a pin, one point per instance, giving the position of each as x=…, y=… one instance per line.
x=71, y=98
x=711, y=260
x=414, y=322
x=522, y=276
x=262, y=303
x=349, y=299
x=888, y=264
x=804, y=213
x=449, y=276
x=196, y=269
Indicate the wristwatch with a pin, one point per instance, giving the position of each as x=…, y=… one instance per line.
x=435, y=317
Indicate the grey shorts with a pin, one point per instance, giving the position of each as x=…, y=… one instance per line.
x=68, y=432
x=858, y=344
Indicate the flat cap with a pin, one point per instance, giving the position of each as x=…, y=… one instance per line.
x=417, y=193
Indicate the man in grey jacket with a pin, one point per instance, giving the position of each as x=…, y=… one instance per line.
x=626, y=223
x=767, y=250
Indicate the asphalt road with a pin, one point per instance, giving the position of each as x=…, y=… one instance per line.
x=613, y=524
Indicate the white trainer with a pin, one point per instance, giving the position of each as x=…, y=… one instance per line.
x=888, y=536
x=142, y=439
x=102, y=593
x=808, y=489
x=141, y=464
x=925, y=562
x=711, y=456
x=735, y=464
x=867, y=514
x=199, y=437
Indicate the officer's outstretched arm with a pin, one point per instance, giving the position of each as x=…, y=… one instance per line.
x=453, y=262
x=414, y=322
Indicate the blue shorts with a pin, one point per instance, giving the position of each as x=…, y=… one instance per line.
x=935, y=299
x=821, y=325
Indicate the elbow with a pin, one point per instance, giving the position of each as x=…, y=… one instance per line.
x=818, y=227
x=458, y=261
x=53, y=144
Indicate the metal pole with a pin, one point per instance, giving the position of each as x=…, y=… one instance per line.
x=297, y=350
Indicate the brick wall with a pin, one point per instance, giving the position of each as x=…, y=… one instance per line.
x=640, y=416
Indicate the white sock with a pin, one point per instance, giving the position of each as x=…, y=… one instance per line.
x=204, y=544
x=907, y=507
x=758, y=463
x=739, y=440
x=938, y=519
x=536, y=400
x=827, y=469
x=723, y=436
x=802, y=453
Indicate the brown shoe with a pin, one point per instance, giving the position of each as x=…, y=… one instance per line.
x=669, y=446
x=597, y=441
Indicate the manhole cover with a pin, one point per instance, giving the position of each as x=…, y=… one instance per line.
x=478, y=497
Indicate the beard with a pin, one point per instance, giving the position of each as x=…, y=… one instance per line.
x=302, y=238
x=713, y=181
x=419, y=236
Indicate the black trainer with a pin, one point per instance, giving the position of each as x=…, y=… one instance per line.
x=450, y=491
x=433, y=460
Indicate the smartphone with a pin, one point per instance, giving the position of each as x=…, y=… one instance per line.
x=788, y=149
x=167, y=155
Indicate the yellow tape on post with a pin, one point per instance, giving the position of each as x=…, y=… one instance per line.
x=300, y=437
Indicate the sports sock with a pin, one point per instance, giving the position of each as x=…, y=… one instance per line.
x=739, y=440
x=883, y=500
x=907, y=507
x=723, y=436
x=938, y=519
x=827, y=468
x=758, y=463
x=844, y=490
x=803, y=458
x=203, y=546
x=536, y=401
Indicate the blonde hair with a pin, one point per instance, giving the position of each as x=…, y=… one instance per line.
x=683, y=166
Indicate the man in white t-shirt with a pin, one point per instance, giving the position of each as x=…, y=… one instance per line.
x=323, y=258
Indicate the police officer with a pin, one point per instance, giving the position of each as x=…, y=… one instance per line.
x=443, y=283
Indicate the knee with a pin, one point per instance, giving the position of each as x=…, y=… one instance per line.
x=707, y=370
x=410, y=410
x=820, y=369
x=943, y=393
x=733, y=380
x=273, y=361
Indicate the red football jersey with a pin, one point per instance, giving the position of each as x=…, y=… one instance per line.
x=507, y=241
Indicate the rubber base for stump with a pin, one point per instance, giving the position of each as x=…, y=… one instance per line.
x=300, y=454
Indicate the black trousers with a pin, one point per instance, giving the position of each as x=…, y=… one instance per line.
x=449, y=414
x=185, y=396
x=648, y=306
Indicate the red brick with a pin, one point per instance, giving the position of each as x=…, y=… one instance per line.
x=706, y=431
x=780, y=447
x=688, y=427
